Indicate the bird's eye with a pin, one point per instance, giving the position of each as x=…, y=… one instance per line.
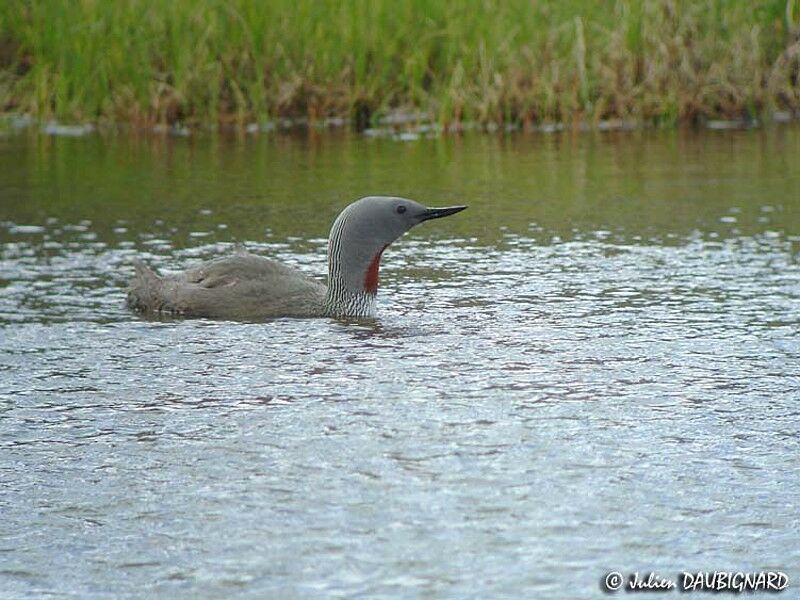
x=401, y=209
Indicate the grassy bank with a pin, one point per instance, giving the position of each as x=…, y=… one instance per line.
x=518, y=61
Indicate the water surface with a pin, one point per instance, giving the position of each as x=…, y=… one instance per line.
x=596, y=367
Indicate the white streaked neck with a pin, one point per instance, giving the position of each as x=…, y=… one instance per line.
x=347, y=269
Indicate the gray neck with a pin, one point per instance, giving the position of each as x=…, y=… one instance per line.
x=347, y=269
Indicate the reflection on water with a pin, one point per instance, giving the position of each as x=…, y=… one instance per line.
x=595, y=369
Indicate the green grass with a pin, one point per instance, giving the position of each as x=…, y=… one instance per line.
x=517, y=61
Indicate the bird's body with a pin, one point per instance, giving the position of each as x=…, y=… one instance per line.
x=249, y=287
x=237, y=287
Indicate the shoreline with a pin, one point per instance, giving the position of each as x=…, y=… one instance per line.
x=400, y=126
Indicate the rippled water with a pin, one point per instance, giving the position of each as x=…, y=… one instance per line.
x=595, y=368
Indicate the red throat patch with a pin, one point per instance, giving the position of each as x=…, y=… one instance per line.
x=371, y=276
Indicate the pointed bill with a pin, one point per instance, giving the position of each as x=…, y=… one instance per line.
x=437, y=213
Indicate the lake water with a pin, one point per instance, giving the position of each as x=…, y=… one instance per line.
x=595, y=368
